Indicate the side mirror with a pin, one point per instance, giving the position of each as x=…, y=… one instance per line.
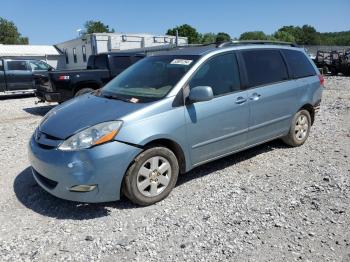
x=201, y=94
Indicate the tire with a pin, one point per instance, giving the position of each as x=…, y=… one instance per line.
x=144, y=187
x=83, y=91
x=298, y=132
x=334, y=72
x=325, y=70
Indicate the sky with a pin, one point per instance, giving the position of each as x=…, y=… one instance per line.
x=52, y=22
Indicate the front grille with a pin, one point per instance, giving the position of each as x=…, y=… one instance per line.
x=46, y=146
x=46, y=141
x=51, y=184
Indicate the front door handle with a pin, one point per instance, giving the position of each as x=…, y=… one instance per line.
x=240, y=100
x=255, y=96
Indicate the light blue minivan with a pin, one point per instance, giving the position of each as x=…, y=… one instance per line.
x=170, y=112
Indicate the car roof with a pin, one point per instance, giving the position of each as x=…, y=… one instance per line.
x=121, y=53
x=201, y=50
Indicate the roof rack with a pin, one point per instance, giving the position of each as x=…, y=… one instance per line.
x=255, y=42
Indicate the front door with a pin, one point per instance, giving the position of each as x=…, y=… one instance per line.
x=219, y=126
x=18, y=75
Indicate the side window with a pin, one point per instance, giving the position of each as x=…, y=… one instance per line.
x=38, y=66
x=83, y=50
x=66, y=56
x=264, y=67
x=299, y=64
x=1, y=65
x=100, y=62
x=17, y=65
x=220, y=73
x=136, y=58
x=75, y=55
x=121, y=62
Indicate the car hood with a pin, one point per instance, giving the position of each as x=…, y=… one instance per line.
x=82, y=112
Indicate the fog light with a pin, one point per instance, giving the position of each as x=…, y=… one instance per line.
x=82, y=188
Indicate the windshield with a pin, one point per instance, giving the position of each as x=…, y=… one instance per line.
x=149, y=79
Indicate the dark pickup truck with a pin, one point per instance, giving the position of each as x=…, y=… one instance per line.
x=59, y=86
x=16, y=75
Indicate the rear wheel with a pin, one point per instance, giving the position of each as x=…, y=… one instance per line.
x=299, y=130
x=151, y=177
x=83, y=91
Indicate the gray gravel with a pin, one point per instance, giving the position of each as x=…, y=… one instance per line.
x=265, y=204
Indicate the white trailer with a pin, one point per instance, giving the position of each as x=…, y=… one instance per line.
x=77, y=51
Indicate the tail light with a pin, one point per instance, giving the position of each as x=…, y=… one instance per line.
x=63, y=77
x=321, y=80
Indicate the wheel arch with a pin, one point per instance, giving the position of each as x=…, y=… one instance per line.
x=311, y=111
x=174, y=147
x=81, y=85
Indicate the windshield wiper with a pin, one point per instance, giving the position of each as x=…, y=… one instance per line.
x=116, y=97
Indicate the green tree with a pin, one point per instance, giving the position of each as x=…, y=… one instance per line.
x=9, y=34
x=309, y=36
x=208, y=38
x=222, y=37
x=188, y=31
x=254, y=35
x=97, y=27
x=284, y=36
x=305, y=35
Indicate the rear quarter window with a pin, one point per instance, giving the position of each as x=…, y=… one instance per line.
x=17, y=65
x=121, y=62
x=299, y=64
x=100, y=62
x=264, y=67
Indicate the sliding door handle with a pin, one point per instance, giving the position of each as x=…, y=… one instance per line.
x=255, y=96
x=241, y=100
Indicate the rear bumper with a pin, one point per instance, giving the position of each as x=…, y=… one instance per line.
x=104, y=166
x=48, y=96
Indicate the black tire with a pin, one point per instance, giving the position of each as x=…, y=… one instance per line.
x=334, y=72
x=294, y=138
x=83, y=91
x=131, y=180
x=325, y=70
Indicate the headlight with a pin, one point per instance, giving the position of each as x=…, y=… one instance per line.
x=92, y=136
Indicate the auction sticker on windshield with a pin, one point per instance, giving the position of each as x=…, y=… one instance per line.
x=181, y=62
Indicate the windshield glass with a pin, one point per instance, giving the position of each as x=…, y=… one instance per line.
x=149, y=79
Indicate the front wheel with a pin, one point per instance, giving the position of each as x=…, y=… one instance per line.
x=151, y=177
x=299, y=130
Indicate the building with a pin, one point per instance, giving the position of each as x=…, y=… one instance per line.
x=77, y=51
x=46, y=53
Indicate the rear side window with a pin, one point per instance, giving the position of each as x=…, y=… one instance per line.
x=264, y=67
x=299, y=64
x=100, y=62
x=136, y=58
x=121, y=62
x=1, y=65
x=220, y=73
x=17, y=65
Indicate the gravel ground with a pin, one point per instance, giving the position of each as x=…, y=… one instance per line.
x=270, y=203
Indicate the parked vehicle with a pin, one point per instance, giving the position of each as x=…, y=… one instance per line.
x=16, y=75
x=345, y=64
x=333, y=62
x=171, y=112
x=62, y=85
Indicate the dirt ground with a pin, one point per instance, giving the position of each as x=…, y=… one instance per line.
x=269, y=203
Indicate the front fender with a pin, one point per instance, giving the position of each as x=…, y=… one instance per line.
x=170, y=125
